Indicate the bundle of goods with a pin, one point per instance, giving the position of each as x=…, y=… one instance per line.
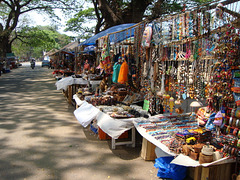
x=123, y=111
x=102, y=100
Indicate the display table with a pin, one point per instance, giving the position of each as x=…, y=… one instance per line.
x=70, y=85
x=153, y=140
x=214, y=172
x=115, y=127
x=221, y=169
x=180, y=158
x=86, y=112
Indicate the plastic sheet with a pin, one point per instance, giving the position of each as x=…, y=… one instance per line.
x=168, y=170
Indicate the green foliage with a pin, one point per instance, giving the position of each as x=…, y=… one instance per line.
x=12, y=10
x=76, y=24
x=35, y=40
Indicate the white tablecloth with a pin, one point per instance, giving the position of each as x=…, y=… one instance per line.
x=111, y=126
x=67, y=81
x=86, y=113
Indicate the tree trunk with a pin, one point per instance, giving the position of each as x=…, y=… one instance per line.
x=5, y=46
x=113, y=15
x=135, y=11
x=99, y=17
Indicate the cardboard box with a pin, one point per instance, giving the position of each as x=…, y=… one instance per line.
x=148, y=150
x=103, y=136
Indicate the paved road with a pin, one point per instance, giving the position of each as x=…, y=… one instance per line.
x=41, y=139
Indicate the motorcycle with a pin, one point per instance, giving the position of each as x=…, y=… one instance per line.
x=32, y=65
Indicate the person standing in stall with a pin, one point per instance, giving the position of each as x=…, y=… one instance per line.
x=86, y=66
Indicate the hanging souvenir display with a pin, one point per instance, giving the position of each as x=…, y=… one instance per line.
x=156, y=34
x=147, y=35
x=105, y=57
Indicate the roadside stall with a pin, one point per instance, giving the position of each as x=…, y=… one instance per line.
x=191, y=57
x=184, y=69
x=63, y=60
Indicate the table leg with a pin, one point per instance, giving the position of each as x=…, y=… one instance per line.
x=113, y=143
x=133, y=137
x=132, y=142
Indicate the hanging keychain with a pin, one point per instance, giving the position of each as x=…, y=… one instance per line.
x=180, y=27
x=184, y=26
x=187, y=21
x=173, y=27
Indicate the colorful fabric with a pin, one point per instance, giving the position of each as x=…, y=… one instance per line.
x=218, y=119
x=123, y=73
x=116, y=70
x=209, y=125
x=105, y=56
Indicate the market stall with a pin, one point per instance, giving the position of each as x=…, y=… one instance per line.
x=63, y=60
x=182, y=70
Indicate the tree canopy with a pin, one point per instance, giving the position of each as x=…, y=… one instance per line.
x=35, y=40
x=11, y=10
x=108, y=13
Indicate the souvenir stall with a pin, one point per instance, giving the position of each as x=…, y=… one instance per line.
x=63, y=60
x=87, y=63
x=191, y=60
x=184, y=69
x=110, y=100
x=64, y=65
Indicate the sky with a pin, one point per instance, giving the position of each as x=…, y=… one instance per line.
x=43, y=20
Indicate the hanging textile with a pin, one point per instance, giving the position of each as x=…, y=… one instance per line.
x=105, y=57
x=122, y=77
x=157, y=30
x=116, y=69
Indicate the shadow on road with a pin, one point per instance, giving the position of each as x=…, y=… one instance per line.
x=41, y=139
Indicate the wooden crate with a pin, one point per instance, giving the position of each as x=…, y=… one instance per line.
x=148, y=150
x=103, y=136
x=217, y=172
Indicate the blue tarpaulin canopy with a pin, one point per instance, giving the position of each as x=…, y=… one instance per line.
x=89, y=48
x=113, y=37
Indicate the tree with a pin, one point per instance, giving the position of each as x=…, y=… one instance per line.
x=32, y=41
x=11, y=10
x=77, y=23
x=109, y=13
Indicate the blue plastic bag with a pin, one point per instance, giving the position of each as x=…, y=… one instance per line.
x=167, y=170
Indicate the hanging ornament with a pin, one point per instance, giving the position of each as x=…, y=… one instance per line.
x=171, y=104
x=178, y=102
x=219, y=11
